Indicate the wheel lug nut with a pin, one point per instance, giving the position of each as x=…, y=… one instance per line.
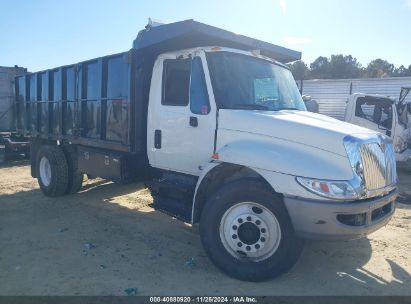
x=235, y=227
x=262, y=239
x=234, y=236
x=249, y=218
x=263, y=230
x=239, y=244
x=258, y=222
x=257, y=246
x=240, y=220
x=248, y=248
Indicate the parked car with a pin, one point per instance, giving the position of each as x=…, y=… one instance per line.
x=213, y=122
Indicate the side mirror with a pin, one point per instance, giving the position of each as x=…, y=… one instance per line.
x=306, y=98
x=387, y=131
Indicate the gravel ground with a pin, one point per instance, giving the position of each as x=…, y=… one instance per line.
x=106, y=240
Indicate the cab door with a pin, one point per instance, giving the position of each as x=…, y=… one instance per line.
x=182, y=114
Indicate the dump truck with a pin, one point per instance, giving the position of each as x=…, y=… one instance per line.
x=11, y=143
x=214, y=125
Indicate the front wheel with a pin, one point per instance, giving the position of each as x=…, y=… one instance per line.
x=246, y=231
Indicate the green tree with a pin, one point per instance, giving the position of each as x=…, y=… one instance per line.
x=402, y=71
x=344, y=67
x=320, y=68
x=299, y=70
x=379, y=68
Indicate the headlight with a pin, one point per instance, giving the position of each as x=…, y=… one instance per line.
x=339, y=190
x=399, y=145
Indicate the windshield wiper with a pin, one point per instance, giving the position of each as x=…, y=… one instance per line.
x=249, y=106
x=288, y=109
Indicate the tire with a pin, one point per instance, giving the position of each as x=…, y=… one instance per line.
x=2, y=154
x=75, y=177
x=52, y=171
x=281, y=248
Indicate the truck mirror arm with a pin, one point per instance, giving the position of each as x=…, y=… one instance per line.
x=387, y=131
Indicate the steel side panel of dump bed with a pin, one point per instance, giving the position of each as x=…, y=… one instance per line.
x=88, y=103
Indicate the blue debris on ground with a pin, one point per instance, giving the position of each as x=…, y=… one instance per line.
x=89, y=246
x=131, y=291
x=190, y=262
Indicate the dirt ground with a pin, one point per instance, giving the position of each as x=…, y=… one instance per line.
x=107, y=239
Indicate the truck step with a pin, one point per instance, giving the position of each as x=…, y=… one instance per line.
x=173, y=193
x=179, y=186
x=174, y=207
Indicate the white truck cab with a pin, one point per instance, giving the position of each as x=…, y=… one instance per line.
x=383, y=114
x=229, y=115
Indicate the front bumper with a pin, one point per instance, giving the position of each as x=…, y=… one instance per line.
x=335, y=220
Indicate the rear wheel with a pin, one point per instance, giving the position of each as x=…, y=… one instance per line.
x=2, y=154
x=75, y=177
x=246, y=231
x=52, y=171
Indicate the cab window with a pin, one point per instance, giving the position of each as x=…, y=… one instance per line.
x=199, y=101
x=376, y=110
x=176, y=82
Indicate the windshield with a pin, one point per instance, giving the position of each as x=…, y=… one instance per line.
x=244, y=82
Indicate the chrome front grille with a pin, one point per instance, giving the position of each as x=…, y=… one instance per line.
x=378, y=164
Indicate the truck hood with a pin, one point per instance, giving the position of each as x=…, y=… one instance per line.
x=301, y=127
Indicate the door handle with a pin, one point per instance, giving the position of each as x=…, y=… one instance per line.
x=193, y=121
x=157, y=139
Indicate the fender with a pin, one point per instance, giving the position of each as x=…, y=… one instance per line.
x=279, y=163
x=211, y=165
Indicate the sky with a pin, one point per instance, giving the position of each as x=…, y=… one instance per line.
x=43, y=34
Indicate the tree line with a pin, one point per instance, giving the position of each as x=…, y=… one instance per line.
x=346, y=66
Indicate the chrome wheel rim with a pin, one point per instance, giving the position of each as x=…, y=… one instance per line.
x=250, y=231
x=45, y=171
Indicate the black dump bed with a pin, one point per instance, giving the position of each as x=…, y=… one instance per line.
x=88, y=102
x=103, y=102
